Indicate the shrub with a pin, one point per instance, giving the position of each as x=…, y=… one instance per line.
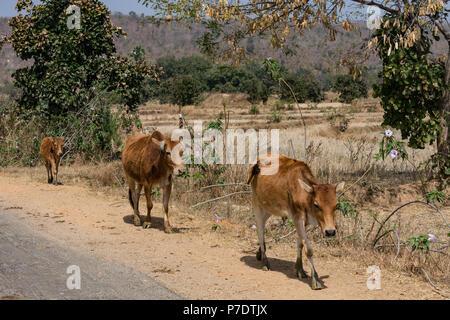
x=275, y=117
x=256, y=91
x=305, y=87
x=349, y=88
x=254, y=109
x=338, y=121
x=186, y=90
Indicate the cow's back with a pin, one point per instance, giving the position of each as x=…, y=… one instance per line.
x=140, y=156
x=46, y=148
x=272, y=192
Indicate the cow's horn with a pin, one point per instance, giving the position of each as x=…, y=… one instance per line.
x=162, y=145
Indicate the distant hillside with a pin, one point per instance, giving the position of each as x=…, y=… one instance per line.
x=310, y=51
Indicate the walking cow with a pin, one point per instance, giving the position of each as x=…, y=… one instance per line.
x=52, y=150
x=292, y=191
x=151, y=161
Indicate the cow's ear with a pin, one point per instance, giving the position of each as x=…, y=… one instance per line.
x=340, y=187
x=162, y=145
x=305, y=187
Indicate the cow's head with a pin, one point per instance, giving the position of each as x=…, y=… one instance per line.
x=173, y=152
x=57, y=147
x=323, y=204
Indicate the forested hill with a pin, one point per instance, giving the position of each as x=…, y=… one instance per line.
x=308, y=51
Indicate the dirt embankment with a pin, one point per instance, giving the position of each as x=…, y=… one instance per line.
x=195, y=263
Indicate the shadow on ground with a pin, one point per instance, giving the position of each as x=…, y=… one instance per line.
x=283, y=266
x=157, y=223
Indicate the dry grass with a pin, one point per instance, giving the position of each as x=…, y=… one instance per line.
x=333, y=158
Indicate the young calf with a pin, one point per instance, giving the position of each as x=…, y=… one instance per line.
x=151, y=161
x=51, y=151
x=292, y=191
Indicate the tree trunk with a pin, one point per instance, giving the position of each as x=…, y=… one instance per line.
x=443, y=139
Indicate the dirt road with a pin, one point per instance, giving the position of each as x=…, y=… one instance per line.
x=31, y=267
x=193, y=264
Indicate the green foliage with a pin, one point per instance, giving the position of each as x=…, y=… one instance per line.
x=256, y=91
x=350, y=88
x=186, y=90
x=226, y=79
x=412, y=86
x=70, y=69
x=347, y=209
x=217, y=124
x=388, y=145
x=434, y=196
x=275, y=117
x=302, y=84
x=155, y=192
x=421, y=243
x=305, y=87
x=254, y=109
x=69, y=65
x=195, y=66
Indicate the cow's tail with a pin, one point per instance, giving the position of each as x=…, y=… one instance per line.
x=252, y=172
x=130, y=198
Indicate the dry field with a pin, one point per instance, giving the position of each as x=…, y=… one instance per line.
x=206, y=258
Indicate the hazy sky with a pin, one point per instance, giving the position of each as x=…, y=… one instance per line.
x=124, y=6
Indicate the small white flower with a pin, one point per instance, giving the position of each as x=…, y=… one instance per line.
x=253, y=227
x=394, y=154
x=432, y=237
x=388, y=133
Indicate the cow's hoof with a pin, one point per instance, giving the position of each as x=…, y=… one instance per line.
x=266, y=265
x=265, y=268
x=137, y=222
x=147, y=225
x=168, y=230
x=301, y=274
x=316, y=285
x=49, y=181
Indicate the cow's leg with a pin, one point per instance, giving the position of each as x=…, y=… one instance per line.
x=261, y=218
x=299, y=263
x=49, y=171
x=301, y=231
x=54, y=172
x=137, y=195
x=148, y=195
x=134, y=200
x=166, y=196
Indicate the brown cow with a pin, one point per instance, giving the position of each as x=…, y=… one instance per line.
x=151, y=161
x=292, y=191
x=52, y=150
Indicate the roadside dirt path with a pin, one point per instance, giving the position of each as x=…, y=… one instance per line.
x=196, y=265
